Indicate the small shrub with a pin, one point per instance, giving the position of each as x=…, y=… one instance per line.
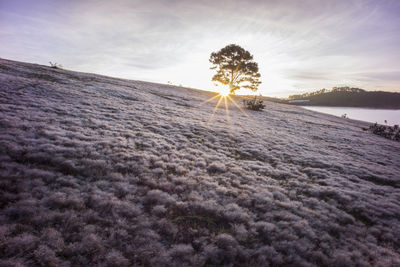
x=389, y=132
x=44, y=256
x=115, y=257
x=216, y=167
x=254, y=104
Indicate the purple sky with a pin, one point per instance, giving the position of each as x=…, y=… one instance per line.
x=299, y=45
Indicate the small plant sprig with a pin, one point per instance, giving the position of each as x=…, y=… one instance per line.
x=55, y=65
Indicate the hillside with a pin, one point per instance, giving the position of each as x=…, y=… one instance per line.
x=350, y=97
x=110, y=172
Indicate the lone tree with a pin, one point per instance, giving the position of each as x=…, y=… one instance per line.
x=236, y=68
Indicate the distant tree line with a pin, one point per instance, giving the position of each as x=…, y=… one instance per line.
x=323, y=91
x=350, y=97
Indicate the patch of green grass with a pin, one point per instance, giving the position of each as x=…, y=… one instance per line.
x=169, y=97
x=5, y=68
x=44, y=77
x=195, y=223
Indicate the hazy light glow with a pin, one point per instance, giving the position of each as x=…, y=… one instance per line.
x=223, y=90
x=299, y=45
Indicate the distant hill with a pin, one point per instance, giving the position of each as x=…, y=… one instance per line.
x=348, y=97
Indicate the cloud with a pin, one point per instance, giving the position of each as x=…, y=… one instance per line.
x=311, y=75
x=380, y=76
x=171, y=41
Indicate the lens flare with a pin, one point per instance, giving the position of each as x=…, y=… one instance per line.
x=224, y=95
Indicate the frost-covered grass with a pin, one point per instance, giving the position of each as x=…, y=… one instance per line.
x=110, y=172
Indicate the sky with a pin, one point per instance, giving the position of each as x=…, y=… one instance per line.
x=299, y=46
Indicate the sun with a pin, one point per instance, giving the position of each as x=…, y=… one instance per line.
x=224, y=93
x=223, y=90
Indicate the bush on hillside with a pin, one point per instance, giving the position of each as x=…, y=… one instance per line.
x=389, y=132
x=254, y=104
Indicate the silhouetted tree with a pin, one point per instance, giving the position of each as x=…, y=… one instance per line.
x=236, y=68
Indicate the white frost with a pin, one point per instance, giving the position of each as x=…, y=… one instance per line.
x=97, y=170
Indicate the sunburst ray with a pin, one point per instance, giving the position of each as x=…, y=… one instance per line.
x=208, y=100
x=215, y=110
x=236, y=104
x=227, y=111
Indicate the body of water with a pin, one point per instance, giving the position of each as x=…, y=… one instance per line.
x=363, y=114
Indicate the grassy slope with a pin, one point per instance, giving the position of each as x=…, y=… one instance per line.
x=97, y=170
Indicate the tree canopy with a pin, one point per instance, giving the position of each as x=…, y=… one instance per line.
x=236, y=68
